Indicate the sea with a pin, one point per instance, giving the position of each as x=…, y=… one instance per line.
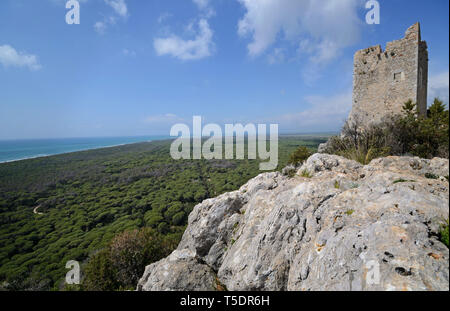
x=15, y=150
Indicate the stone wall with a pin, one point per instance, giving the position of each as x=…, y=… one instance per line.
x=384, y=80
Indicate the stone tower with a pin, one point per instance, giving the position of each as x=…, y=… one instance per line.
x=384, y=80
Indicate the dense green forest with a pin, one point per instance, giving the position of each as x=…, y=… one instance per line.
x=68, y=207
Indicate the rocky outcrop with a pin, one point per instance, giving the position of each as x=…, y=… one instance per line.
x=335, y=225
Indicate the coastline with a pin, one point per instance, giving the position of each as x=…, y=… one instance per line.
x=156, y=138
x=79, y=150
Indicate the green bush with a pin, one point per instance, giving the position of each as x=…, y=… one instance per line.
x=99, y=274
x=431, y=176
x=408, y=133
x=299, y=156
x=306, y=174
x=337, y=185
x=424, y=137
x=122, y=263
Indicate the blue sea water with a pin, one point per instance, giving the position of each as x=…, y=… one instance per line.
x=13, y=150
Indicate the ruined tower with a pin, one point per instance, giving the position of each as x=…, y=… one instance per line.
x=384, y=80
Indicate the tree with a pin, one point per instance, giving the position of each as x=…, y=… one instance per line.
x=425, y=137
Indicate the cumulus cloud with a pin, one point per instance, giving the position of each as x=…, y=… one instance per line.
x=119, y=6
x=439, y=87
x=325, y=113
x=9, y=57
x=100, y=27
x=200, y=46
x=205, y=7
x=120, y=11
x=199, y=43
x=320, y=29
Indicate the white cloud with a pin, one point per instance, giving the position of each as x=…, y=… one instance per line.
x=438, y=86
x=163, y=17
x=277, y=56
x=9, y=57
x=324, y=114
x=100, y=27
x=187, y=49
x=202, y=4
x=120, y=10
x=198, y=47
x=319, y=28
x=205, y=7
x=119, y=6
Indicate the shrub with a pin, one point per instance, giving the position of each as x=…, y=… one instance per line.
x=424, y=137
x=431, y=176
x=292, y=173
x=99, y=275
x=299, y=156
x=407, y=133
x=306, y=174
x=122, y=263
x=360, y=143
x=163, y=228
x=337, y=185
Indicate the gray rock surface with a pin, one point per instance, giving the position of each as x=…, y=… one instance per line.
x=288, y=170
x=322, y=147
x=348, y=227
x=181, y=271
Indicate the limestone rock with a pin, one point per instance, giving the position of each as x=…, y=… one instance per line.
x=322, y=147
x=348, y=227
x=181, y=271
x=290, y=169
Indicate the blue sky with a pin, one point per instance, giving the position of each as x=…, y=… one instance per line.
x=135, y=67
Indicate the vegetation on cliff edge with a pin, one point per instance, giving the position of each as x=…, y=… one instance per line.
x=403, y=134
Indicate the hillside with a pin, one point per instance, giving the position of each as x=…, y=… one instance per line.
x=68, y=207
x=335, y=225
